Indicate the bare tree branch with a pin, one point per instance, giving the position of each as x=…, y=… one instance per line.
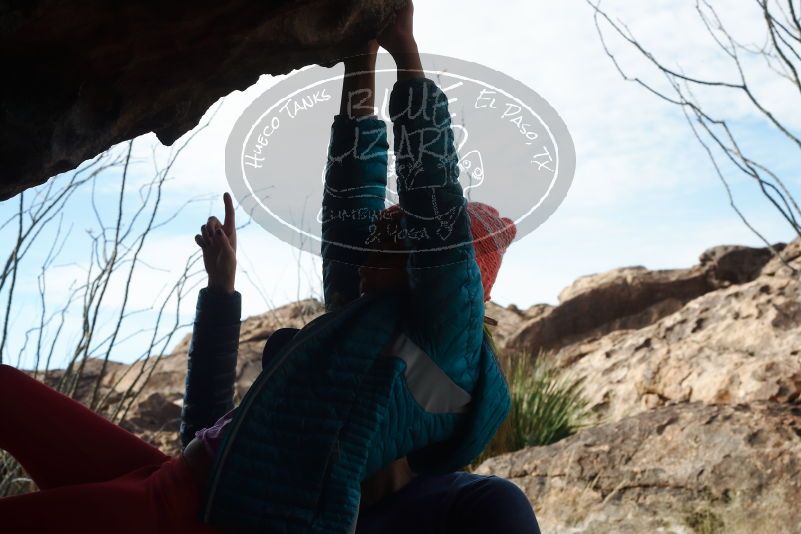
x=781, y=51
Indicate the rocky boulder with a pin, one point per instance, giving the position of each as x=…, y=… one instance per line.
x=630, y=298
x=733, y=264
x=82, y=76
x=739, y=343
x=509, y=319
x=621, y=299
x=683, y=468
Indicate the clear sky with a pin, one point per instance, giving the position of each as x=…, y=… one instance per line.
x=645, y=192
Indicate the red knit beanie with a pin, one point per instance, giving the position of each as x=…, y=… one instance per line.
x=492, y=235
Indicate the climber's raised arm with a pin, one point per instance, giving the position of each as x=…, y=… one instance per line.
x=355, y=180
x=444, y=278
x=211, y=365
x=358, y=85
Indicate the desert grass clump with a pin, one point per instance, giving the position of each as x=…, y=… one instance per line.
x=547, y=405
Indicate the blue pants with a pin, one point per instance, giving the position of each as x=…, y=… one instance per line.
x=459, y=502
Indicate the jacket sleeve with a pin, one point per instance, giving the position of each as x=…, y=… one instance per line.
x=355, y=186
x=445, y=281
x=211, y=362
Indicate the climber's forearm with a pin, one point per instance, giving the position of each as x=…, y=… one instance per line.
x=398, y=40
x=358, y=85
x=355, y=180
x=407, y=60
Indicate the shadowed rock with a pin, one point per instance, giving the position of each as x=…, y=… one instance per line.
x=84, y=75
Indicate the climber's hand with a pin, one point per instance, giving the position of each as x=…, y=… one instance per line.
x=218, y=242
x=398, y=37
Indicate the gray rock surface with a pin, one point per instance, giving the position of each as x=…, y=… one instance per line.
x=684, y=468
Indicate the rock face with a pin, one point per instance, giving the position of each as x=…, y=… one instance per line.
x=633, y=297
x=697, y=399
x=83, y=76
x=620, y=299
x=727, y=330
x=509, y=319
x=734, y=345
x=683, y=468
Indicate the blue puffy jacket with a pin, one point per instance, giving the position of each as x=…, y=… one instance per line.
x=407, y=373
